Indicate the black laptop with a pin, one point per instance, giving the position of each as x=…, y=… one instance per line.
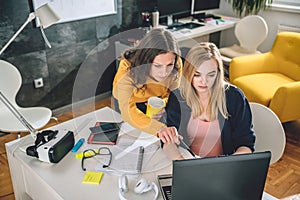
x=235, y=177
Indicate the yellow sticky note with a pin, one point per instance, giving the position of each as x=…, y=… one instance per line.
x=92, y=177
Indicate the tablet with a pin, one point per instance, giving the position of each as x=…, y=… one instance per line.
x=104, y=137
x=102, y=127
x=104, y=133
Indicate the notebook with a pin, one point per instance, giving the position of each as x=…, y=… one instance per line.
x=226, y=177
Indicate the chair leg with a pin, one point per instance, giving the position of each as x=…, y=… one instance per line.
x=55, y=118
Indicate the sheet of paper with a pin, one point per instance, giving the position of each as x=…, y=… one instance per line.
x=126, y=156
x=144, y=140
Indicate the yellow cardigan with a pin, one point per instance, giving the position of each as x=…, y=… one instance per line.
x=128, y=95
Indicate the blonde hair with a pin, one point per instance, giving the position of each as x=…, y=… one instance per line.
x=217, y=100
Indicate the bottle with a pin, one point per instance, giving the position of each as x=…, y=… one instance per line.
x=146, y=17
x=155, y=18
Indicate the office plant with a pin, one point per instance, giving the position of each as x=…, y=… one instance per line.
x=248, y=7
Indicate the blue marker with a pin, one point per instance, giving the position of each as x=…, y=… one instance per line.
x=77, y=145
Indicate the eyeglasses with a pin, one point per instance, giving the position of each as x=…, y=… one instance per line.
x=102, y=151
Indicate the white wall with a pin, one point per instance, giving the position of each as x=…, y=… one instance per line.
x=273, y=19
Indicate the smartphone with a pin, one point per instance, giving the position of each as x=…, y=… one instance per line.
x=104, y=127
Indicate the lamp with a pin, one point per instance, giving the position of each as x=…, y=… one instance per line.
x=46, y=17
x=18, y=115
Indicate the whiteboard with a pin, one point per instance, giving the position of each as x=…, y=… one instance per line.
x=71, y=10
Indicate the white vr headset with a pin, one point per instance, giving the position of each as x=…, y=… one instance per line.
x=51, y=146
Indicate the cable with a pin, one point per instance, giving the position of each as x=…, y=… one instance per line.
x=45, y=38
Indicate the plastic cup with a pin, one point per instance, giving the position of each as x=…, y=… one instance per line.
x=155, y=104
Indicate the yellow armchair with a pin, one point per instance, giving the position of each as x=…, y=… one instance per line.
x=272, y=78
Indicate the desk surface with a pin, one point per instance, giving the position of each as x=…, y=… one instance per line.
x=208, y=28
x=188, y=37
x=38, y=180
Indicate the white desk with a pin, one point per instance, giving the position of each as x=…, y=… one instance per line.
x=188, y=37
x=33, y=179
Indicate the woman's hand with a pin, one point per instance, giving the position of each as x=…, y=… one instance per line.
x=172, y=152
x=159, y=115
x=243, y=150
x=169, y=135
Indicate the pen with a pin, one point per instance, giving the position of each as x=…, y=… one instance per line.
x=77, y=145
x=140, y=159
x=186, y=146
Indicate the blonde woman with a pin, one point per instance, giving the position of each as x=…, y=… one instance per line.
x=212, y=116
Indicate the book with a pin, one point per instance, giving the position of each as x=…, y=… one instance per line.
x=107, y=133
x=92, y=177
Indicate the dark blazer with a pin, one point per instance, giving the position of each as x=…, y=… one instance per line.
x=236, y=131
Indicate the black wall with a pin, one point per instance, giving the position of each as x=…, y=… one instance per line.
x=81, y=62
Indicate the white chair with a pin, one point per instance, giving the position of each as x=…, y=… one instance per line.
x=10, y=83
x=269, y=131
x=250, y=32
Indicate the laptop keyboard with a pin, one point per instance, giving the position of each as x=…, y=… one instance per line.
x=167, y=191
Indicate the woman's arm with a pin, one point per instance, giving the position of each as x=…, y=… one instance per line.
x=123, y=91
x=240, y=121
x=173, y=110
x=129, y=111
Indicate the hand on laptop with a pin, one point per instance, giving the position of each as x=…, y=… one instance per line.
x=243, y=150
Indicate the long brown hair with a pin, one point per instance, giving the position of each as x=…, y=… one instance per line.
x=217, y=100
x=157, y=41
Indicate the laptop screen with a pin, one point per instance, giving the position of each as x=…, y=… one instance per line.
x=227, y=177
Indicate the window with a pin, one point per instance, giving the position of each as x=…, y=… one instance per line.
x=286, y=5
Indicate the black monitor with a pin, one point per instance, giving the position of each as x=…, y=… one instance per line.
x=198, y=7
x=174, y=8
